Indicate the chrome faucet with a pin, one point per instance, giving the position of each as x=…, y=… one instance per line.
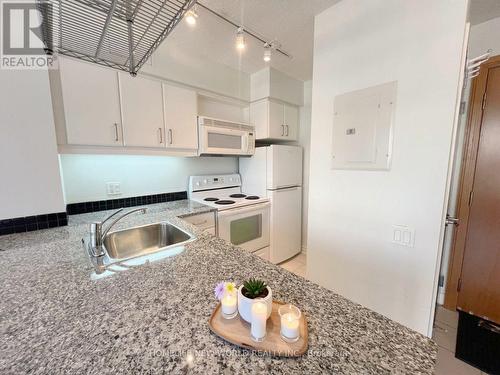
x=97, y=234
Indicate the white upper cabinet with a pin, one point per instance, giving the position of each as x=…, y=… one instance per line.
x=181, y=109
x=291, y=115
x=274, y=119
x=91, y=104
x=142, y=111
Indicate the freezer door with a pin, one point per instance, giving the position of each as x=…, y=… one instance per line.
x=286, y=223
x=284, y=166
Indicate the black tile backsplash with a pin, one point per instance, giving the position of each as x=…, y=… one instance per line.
x=59, y=219
x=32, y=223
x=85, y=207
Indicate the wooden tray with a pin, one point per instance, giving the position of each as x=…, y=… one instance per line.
x=237, y=332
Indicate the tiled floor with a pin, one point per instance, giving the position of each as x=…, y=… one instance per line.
x=445, y=330
x=445, y=335
x=296, y=265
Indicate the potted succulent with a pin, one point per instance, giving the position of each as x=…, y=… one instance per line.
x=251, y=291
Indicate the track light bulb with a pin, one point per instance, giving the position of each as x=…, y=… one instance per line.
x=240, y=39
x=267, y=52
x=191, y=17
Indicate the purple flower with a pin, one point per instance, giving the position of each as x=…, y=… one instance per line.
x=219, y=290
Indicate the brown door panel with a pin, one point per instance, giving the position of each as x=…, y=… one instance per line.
x=480, y=280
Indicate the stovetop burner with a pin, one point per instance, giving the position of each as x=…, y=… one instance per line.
x=237, y=196
x=209, y=199
x=225, y=202
x=252, y=197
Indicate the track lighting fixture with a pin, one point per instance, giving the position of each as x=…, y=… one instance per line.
x=267, y=52
x=191, y=17
x=240, y=39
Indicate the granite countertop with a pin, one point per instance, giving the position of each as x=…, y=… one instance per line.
x=153, y=319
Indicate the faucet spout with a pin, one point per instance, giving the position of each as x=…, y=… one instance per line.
x=97, y=234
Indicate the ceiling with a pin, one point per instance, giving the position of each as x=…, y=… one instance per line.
x=291, y=22
x=484, y=10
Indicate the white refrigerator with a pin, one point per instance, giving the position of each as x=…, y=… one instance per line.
x=275, y=172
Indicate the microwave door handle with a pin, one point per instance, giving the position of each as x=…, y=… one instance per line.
x=247, y=143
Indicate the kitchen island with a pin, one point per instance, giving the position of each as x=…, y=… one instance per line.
x=153, y=318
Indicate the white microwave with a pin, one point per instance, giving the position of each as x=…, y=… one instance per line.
x=220, y=137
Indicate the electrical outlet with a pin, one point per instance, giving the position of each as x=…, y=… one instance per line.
x=113, y=188
x=403, y=235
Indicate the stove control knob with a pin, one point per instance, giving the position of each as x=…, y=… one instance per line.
x=205, y=182
x=198, y=183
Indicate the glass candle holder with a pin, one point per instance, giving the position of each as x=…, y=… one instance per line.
x=290, y=323
x=229, y=305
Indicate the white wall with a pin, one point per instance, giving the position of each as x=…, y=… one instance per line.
x=29, y=169
x=269, y=82
x=181, y=67
x=85, y=176
x=305, y=142
x=484, y=36
x=359, y=44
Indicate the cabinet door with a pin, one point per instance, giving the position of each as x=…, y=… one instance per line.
x=181, y=109
x=291, y=122
x=91, y=104
x=142, y=111
x=276, y=121
x=259, y=117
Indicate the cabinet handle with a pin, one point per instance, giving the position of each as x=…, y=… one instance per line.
x=287, y=130
x=282, y=130
x=161, y=136
x=171, y=136
x=116, y=132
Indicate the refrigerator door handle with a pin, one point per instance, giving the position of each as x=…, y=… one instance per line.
x=285, y=188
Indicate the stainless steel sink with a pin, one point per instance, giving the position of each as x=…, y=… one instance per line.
x=132, y=247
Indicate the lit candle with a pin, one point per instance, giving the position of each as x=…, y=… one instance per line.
x=259, y=318
x=290, y=316
x=229, y=305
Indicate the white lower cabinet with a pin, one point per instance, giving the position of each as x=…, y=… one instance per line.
x=90, y=104
x=142, y=111
x=181, y=110
x=204, y=222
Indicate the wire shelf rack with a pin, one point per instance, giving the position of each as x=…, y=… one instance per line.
x=122, y=34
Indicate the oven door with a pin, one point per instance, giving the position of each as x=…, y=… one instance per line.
x=224, y=141
x=246, y=227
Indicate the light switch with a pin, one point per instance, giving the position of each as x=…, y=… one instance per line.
x=403, y=235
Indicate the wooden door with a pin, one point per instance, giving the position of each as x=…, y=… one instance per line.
x=142, y=110
x=181, y=109
x=479, y=290
x=91, y=104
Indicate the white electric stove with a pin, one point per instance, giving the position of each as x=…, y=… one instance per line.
x=242, y=218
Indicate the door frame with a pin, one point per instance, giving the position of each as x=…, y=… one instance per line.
x=467, y=172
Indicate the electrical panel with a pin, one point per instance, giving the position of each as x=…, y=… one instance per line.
x=363, y=124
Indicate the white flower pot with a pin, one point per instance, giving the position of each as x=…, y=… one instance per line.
x=245, y=304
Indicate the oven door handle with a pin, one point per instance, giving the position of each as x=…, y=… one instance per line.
x=255, y=207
